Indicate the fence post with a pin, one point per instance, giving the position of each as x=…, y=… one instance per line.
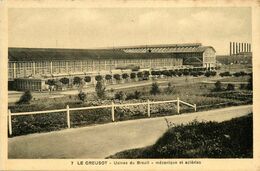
x=178, y=105
x=10, y=122
x=113, y=111
x=68, y=116
x=148, y=108
x=195, y=107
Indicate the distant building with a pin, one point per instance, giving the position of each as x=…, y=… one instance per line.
x=41, y=63
x=239, y=53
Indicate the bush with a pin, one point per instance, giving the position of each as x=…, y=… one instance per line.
x=218, y=86
x=64, y=80
x=225, y=74
x=82, y=96
x=155, y=89
x=169, y=88
x=120, y=95
x=25, y=98
x=135, y=95
x=230, y=87
x=100, y=90
x=87, y=79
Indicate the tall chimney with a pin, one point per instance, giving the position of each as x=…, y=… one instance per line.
x=230, y=48
x=234, y=48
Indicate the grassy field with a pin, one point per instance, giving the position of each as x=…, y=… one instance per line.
x=192, y=92
x=229, y=139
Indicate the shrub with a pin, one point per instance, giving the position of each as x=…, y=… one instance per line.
x=82, y=96
x=77, y=80
x=218, y=86
x=25, y=98
x=64, y=80
x=125, y=76
x=133, y=75
x=100, y=90
x=155, y=89
x=87, y=79
x=98, y=78
x=225, y=74
x=120, y=95
x=230, y=87
x=169, y=88
x=135, y=95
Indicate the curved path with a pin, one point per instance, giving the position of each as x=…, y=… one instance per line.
x=101, y=141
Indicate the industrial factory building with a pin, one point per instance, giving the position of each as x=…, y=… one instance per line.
x=29, y=68
x=239, y=53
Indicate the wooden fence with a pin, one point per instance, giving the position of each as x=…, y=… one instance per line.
x=112, y=106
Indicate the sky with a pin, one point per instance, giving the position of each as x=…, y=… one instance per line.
x=111, y=27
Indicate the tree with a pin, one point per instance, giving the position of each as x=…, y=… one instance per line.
x=250, y=83
x=77, y=81
x=108, y=77
x=51, y=82
x=140, y=75
x=117, y=77
x=64, y=81
x=98, y=78
x=87, y=79
x=25, y=98
x=100, y=90
x=230, y=87
x=155, y=89
x=133, y=75
x=218, y=86
x=125, y=76
x=82, y=96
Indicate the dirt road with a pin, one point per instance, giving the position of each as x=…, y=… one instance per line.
x=103, y=140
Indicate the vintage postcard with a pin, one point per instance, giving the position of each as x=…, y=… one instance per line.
x=127, y=85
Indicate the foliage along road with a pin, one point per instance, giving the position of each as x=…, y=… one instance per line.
x=101, y=141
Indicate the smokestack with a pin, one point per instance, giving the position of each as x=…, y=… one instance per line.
x=230, y=48
x=234, y=48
